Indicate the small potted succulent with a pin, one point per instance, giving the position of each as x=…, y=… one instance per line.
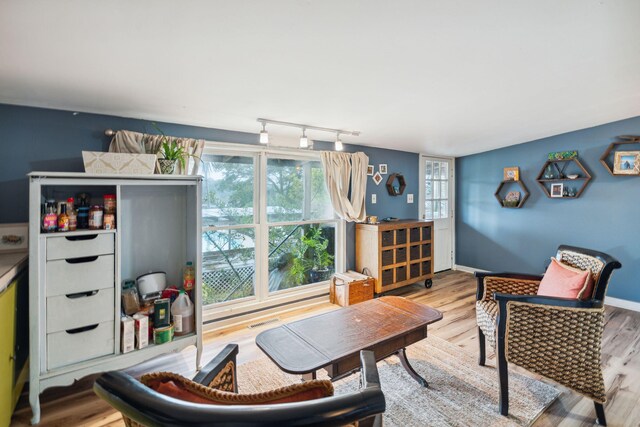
x=172, y=153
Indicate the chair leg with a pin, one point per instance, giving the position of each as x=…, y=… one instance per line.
x=503, y=379
x=481, y=344
x=600, y=414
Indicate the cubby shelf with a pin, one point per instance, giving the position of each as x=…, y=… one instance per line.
x=542, y=182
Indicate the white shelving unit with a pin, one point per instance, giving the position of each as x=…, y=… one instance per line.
x=75, y=277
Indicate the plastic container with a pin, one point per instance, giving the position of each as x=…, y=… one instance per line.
x=188, y=277
x=182, y=313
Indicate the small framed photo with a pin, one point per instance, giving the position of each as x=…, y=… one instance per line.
x=370, y=170
x=512, y=173
x=557, y=190
x=377, y=178
x=383, y=168
x=626, y=163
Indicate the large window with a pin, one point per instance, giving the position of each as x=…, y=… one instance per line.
x=268, y=226
x=229, y=222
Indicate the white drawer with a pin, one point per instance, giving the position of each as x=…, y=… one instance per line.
x=64, y=312
x=70, y=276
x=64, y=348
x=61, y=247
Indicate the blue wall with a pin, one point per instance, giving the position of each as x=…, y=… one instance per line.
x=606, y=217
x=37, y=139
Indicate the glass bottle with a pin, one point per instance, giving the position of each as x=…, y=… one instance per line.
x=50, y=220
x=63, y=218
x=73, y=217
x=188, y=277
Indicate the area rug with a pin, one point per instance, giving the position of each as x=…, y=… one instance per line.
x=460, y=392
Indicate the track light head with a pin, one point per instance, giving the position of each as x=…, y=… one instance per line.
x=304, y=141
x=264, y=135
x=338, y=146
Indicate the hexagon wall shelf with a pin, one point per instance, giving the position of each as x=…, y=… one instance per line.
x=396, y=189
x=522, y=199
x=604, y=159
x=585, y=178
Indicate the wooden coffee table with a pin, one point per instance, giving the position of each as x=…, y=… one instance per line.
x=333, y=341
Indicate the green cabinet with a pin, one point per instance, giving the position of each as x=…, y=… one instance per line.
x=14, y=343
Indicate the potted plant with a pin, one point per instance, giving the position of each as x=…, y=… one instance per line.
x=311, y=257
x=172, y=153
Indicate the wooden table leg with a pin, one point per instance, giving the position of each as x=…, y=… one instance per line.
x=310, y=376
x=402, y=355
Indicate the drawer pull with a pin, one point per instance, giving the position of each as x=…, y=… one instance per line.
x=81, y=260
x=82, y=294
x=83, y=329
x=83, y=237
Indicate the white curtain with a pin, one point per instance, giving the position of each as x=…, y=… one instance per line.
x=126, y=141
x=340, y=170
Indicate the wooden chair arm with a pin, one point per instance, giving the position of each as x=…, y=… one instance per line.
x=218, y=363
x=510, y=280
x=548, y=301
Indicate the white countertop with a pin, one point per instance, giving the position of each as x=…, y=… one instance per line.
x=10, y=265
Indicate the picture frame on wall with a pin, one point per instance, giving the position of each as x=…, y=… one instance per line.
x=511, y=174
x=626, y=163
x=377, y=178
x=370, y=169
x=557, y=190
x=382, y=168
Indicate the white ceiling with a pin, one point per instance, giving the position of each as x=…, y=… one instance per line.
x=442, y=77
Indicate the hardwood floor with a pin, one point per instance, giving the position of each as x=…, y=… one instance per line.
x=454, y=294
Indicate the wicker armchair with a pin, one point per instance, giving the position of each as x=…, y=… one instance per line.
x=557, y=338
x=142, y=406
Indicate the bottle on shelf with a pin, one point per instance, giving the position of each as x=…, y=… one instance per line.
x=188, y=277
x=50, y=220
x=63, y=218
x=182, y=313
x=73, y=216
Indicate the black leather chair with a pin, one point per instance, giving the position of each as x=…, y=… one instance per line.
x=141, y=405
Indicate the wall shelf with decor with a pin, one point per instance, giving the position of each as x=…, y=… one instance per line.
x=510, y=201
x=553, y=176
x=625, y=163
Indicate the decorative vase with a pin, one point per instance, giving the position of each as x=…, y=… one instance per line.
x=167, y=167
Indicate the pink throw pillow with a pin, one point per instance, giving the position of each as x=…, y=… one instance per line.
x=563, y=281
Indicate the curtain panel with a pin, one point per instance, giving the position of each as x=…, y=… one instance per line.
x=126, y=141
x=341, y=171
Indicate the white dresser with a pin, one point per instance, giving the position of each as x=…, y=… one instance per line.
x=75, y=277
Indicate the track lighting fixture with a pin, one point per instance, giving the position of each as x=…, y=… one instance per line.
x=304, y=141
x=338, y=145
x=264, y=135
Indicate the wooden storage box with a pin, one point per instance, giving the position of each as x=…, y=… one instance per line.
x=350, y=288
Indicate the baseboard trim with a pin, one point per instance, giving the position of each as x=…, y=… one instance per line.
x=466, y=269
x=622, y=303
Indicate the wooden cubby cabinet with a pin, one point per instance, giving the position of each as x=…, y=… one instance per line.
x=75, y=277
x=396, y=254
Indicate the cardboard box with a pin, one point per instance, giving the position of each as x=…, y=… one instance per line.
x=141, y=330
x=127, y=341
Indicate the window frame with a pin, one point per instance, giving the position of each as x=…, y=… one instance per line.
x=262, y=298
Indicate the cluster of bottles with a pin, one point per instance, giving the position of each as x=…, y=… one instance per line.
x=70, y=216
x=59, y=217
